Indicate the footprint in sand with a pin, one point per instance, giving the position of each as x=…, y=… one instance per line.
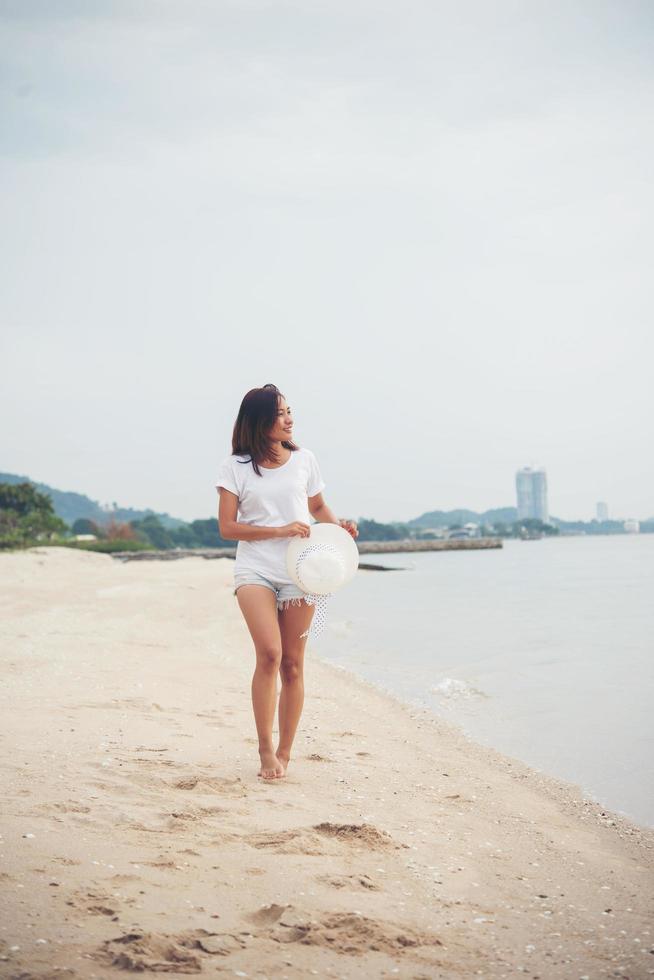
x=314, y=840
x=198, y=812
x=72, y=806
x=151, y=763
x=267, y=914
x=300, y=841
x=315, y=757
x=155, y=775
x=128, y=704
x=97, y=903
x=212, y=784
x=364, y=834
x=352, y=882
x=213, y=719
x=65, y=813
x=142, y=952
x=345, y=932
x=164, y=863
x=178, y=821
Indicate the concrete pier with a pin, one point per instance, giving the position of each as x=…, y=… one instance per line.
x=365, y=548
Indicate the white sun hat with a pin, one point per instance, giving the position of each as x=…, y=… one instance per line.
x=323, y=562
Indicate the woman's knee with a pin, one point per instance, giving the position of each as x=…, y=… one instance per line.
x=291, y=669
x=269, y=658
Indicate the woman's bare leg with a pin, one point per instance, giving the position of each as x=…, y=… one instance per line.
x=293, y=622
x=259, y=607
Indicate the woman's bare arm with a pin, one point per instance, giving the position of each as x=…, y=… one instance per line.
x=325, y=515
x=232, y=530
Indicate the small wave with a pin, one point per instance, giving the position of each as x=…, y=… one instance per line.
x=454, y=690
x=341, y=627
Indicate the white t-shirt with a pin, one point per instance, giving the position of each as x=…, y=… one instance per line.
x=278, y=497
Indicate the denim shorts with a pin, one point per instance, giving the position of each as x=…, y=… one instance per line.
x=286, y=592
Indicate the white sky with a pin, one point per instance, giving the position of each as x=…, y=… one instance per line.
x=429, y=223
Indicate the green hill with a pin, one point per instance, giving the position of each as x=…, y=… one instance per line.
x=446, y=518
x=70, y=505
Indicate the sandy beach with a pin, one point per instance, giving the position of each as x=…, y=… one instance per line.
x=136, y=835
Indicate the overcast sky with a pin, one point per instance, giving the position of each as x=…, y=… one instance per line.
x=431, y=224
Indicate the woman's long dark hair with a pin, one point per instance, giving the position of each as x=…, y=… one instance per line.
x=256, y=417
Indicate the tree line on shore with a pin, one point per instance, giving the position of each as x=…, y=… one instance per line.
x=27, y=518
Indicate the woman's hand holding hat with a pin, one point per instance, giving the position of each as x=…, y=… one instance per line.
x=297, y=529
x=350, y=526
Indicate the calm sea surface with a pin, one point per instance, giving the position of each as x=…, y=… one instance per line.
x=543, y=650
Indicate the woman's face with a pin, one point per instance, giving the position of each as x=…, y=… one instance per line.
x=282, y=430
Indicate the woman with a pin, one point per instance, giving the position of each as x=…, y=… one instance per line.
x=269, y=490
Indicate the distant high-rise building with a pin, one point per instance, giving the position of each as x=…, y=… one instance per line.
x=531, y=487
x=602, y=511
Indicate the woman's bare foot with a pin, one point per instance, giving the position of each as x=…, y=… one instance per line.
x=271, y=767
x=284, y=758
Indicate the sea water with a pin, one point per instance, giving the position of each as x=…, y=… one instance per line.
x=541, y=649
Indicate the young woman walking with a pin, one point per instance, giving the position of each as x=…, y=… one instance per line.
x=269, y=491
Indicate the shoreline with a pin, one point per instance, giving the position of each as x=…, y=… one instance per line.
x=604, y=810
x=569, y=794
x=138, y=836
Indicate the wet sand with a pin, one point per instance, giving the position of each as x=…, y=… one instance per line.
x=136, y=835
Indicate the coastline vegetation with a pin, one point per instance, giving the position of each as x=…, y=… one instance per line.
x=26, y=516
